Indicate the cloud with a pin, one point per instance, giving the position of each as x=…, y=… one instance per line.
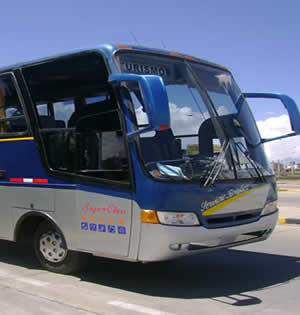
x=184, y=121
x=286, y=149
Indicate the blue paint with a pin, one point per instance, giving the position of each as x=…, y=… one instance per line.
x=106, y=190
x=156, y=103
x=290, y=105
x=111, y=229
x=157, y=195
x=106, y=50
x=101, y=228
x=22, y=160
x=84, y=226
x=93, y=227
x=121, y=229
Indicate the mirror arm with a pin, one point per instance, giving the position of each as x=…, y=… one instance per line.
x=133, y=134
x=292, y=134
x=288, y=103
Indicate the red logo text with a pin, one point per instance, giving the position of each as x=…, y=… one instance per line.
x=111, y=209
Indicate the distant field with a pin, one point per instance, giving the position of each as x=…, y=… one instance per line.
x=289, y=177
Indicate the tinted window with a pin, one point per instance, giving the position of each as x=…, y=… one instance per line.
x=78, y=117
x=12, y=118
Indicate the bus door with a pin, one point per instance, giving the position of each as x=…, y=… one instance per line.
x=104, y=223
x=104, y=202
x=84, y=143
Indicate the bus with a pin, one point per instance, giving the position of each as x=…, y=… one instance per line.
x=133, y=154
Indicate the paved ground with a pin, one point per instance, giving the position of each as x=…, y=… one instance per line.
x=262, y=278
x=289, y=202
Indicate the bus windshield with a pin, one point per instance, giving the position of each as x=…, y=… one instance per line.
x=213, y=136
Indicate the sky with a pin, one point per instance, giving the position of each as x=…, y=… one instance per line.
x=257, y=40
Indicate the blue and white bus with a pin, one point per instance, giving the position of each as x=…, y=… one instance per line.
x=131, y=153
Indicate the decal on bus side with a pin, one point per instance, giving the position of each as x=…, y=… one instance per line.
x=110, y=209
x=222, y=201
x=110, y=228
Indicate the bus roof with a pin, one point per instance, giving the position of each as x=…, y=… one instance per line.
x=108, y=51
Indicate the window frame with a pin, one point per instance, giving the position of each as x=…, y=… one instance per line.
x=37, y=131
x=26, y=132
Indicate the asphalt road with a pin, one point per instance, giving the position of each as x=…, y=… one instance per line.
x=259, y=278
x=289, y=199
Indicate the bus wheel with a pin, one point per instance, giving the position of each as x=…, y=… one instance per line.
x=51, y=251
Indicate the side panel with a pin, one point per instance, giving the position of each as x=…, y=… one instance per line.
x=65, y=202
x=103, y=223
x=14, y=198
x=95, y=222
x=7, y=195
x=33, y=198
x=18, y=161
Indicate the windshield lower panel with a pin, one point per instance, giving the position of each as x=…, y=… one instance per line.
x=212, y=137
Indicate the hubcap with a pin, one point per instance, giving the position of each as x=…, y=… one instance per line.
x=51, y=247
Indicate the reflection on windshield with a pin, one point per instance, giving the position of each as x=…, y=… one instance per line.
x=211, y=137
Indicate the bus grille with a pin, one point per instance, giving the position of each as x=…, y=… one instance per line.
x=231, y=220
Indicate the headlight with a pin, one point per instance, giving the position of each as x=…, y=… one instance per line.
x=269, y=208
x=177, y=218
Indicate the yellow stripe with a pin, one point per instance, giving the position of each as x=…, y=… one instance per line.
x=285, y=189
x=228, y=201
x=16, y=139
x=281, y=220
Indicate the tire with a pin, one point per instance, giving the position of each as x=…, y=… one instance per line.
x=51, y=251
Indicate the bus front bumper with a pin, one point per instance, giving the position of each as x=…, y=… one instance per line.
x=163, y=242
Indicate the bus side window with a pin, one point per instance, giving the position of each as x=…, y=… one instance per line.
x=101, y=144
x=55, y=115
x=78, y=117
x=12, y=119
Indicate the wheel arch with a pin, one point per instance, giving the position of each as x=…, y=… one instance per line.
x=29, y=222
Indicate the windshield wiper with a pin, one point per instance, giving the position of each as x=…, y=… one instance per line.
x=218, y=165
x=253, y=163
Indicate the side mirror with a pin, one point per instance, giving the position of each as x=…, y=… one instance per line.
x=289, y=104
x=155, y=99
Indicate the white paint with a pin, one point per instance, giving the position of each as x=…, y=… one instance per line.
x=33, y=282
x=138, y=308
x=27, y=180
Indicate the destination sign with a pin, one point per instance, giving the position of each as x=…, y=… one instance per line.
x=144, y=69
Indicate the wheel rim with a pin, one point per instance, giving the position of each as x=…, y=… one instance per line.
x=51, y=247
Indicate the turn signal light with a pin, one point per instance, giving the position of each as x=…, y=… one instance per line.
x=149, y=216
